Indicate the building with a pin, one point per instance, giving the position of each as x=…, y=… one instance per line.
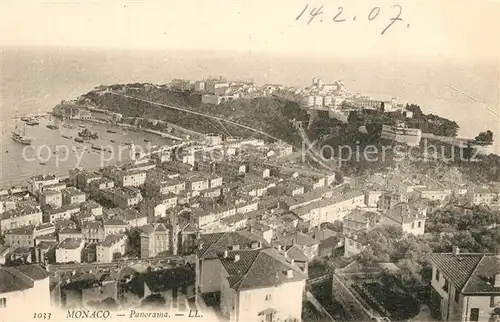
x=36, y=183
x=358, y=220
x=133, y=218
x=208, y=265
x=123, y=178
x=100, y=184
x=308, y=244
x=409, y=217
x=115, y=226
x=482, y=196
x=63, y=213
x=72, y=195
x=51, y=197
x=122, y=197
x=27, y=285
x=465, y=286
x=70, y=251
x=401, y=134
x=69, y=232
x=155, y=239
x=93, y=231
x=25, y=236
x=254, y=284
x=112, y=248
x=25, y=216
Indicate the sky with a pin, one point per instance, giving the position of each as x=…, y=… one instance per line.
x=438, y=29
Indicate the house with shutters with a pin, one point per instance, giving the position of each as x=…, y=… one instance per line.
x=465, y=286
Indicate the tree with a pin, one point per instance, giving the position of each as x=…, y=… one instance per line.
x=134, y=241
x=486, y=137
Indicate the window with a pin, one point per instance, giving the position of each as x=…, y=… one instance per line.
x=269, y=317
x=437, y=274
x=419, y=224
x=445, y=286
x=412, y=225
x=3, y=302
x=474, y=315
x=457, y=295
x=492, y=301
x=268, y=297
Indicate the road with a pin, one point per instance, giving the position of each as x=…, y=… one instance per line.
x=52, y=268
x=197, y=113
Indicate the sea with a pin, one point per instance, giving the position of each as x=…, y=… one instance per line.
x=34, y=80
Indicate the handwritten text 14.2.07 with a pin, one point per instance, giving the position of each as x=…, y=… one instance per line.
x=310, y=14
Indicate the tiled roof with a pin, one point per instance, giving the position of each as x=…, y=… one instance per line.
x=482, y=279
x=258, y=269
x=115, y=222
x=297, y=238
x=70, y=243
x=34, y=272
x=212, y=244
x=456, y=268
x=297, y=253
x=10, y=282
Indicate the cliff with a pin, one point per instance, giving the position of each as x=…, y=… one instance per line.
x=268, y=115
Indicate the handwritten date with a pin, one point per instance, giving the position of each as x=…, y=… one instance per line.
x=312, y=14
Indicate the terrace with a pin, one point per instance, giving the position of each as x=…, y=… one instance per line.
x=381, y=295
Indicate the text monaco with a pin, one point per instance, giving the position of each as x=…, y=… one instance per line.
x=88, y=314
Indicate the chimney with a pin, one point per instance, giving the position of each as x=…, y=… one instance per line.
x=293, y=241
x=256, y=245
x=293, y=261
x=455, y=250
x=225, y=253
x=236, y=258
x=289, y=273
x=497, y=280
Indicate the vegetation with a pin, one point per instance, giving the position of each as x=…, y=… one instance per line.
x=430, y=123
x=485, y=137
x=134, y=242
x=268, y=115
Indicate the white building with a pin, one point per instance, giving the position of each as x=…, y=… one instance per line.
x=250, y=293
x=28, y=286
x=113, y=247
x=70, y=250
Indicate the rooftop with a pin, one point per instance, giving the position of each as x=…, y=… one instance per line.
x=249, y=269
x=211, y=244
x=70, y=243
x=472, y=273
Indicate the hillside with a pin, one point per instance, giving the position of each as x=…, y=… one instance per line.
x=268, y=115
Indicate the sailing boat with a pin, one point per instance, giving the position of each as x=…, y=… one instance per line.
x=21, y=137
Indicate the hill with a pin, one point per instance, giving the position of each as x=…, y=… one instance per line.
x=265, y=114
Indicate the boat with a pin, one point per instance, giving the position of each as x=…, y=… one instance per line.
x=95, y=147
x=111, y=131
x=66, y=136
x=80, y=140
x=86, y=134
x=82, y=126
x=147, y=140
x=68, y=126
x=25, y=118
x=43, y=163
x=32, y=122
x=21, y=137
x=112, y=141
x=53, y=126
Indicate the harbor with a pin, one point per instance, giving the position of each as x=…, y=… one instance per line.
x=57, y=147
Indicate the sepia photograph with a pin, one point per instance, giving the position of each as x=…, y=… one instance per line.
x=250, y=160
